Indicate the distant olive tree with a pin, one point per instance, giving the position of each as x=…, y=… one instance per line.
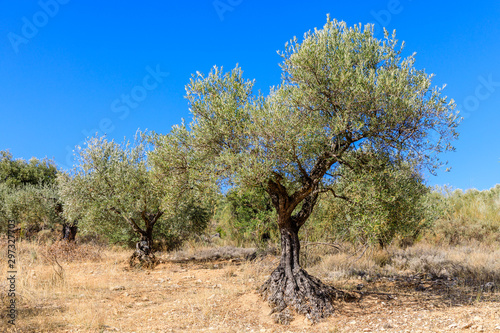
x=113, y=190
x=17, y=172
x=28, y=194
x=32, y=207
x=341, y=89
x=183, y=174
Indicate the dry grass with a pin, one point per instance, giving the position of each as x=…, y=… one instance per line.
x=104, y=295
x=472, y=265
x=469, y=216
x=48, y=279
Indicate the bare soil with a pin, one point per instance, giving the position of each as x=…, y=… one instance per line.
x=221, y=296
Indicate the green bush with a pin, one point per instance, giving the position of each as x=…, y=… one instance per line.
x=383, y=199
x=190, y=219
x=32, y=207
x=19, y=172
x=247, y=216
x=469, y=216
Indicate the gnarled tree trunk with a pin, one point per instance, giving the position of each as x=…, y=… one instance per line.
x=143, y=255
x=69, y=232
x=291, y=286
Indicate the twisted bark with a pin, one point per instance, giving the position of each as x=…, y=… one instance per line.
x=143, y=256
x=290, y=286
x=69, y=232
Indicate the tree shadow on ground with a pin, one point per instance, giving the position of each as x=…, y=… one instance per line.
x=420, y=292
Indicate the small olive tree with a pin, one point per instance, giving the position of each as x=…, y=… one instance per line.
x=341, y=88
x=113, y=187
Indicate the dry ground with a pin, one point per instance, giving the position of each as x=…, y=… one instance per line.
x=106, y=296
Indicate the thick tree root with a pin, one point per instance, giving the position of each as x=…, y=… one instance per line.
x=143, y=261
x=302, y=292
x=143, y=257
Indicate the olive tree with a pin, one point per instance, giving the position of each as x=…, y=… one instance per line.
x=32, y=207
x=189, y=189
x=341, y=89
x=28, y=194
x=17, y=172
x=112, y=189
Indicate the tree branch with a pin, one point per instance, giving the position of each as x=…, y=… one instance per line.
x=304, y=173
x=328, y=189
x=129, y=221
x=306, y=210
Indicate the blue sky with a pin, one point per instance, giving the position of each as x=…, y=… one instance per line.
x=70, y=68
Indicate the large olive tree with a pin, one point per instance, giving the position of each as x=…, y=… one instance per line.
x=342, y=90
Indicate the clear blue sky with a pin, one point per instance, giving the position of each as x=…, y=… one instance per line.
x=67, y=66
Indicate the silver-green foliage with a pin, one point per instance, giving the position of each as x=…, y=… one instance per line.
x=114, y=192
x=31, y=207
x=341, y=89
x=28, y=194
x=387, y=199
x=469, y=216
